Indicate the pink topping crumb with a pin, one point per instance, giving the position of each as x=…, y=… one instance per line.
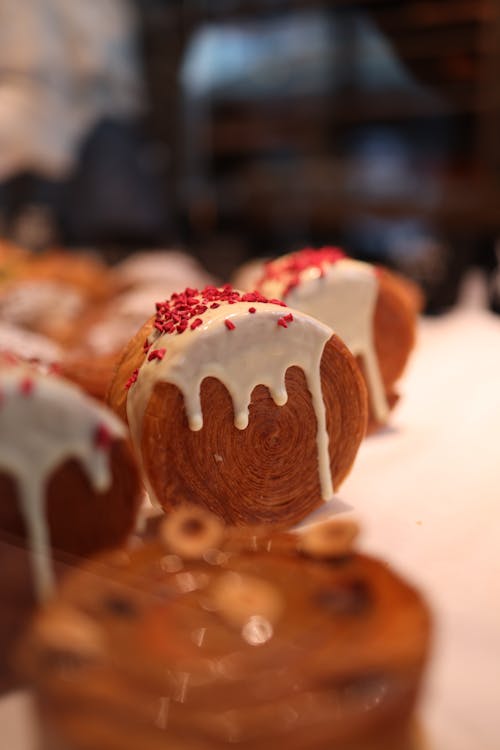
x=26, y=386
x=290, y=267
x=102, y=437
x=174, y=315
x=183, y=310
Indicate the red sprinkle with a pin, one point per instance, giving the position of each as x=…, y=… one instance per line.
x=252, y=309
x=282, y=323
x=102, y=437
x=288, y=317
x=130, y=382
x=184, y=309
x=289, y=268
x=26, y=386
x=156, y=354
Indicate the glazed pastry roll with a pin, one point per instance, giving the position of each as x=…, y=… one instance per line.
x=209, y=637
x=69, y=486
x=239, y=403
x=373, y=310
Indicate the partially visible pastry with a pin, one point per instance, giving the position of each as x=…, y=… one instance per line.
x=68, y=484
x=372, y=310
x=53, y=292
x=103, y=333
x=174, y=269
x=239, y=403
x=12, y=260
x=27, y=345
x=208, y=637
x=247, y=276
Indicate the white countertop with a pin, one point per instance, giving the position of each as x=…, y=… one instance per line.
x=427, y=492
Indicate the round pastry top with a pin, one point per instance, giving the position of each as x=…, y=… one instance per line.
x=253, y=340
x=39, y=410
x=229, y=625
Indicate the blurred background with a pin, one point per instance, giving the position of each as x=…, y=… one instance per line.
x=241, y=129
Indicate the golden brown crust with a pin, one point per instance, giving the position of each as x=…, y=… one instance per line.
x=265, y=473
x=137, y=633
x=394, y=331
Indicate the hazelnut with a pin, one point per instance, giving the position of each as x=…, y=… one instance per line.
x=237, y=598
x=190, y=531
x=330, y=539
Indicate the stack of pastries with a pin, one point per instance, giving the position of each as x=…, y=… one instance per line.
x=240, y=411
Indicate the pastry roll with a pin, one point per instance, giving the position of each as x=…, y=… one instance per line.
x=69, y=487
x=372, y=310
x=209, y=637
x=239, y=403
x=68, y=479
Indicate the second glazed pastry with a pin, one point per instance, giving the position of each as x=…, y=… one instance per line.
x=239, y=403
x=373, y=311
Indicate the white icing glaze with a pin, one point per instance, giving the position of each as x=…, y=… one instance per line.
x=39, y=431
x=343, y=295
x=257, y=352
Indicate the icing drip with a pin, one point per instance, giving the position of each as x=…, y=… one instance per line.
x=42, y=426
x=242, y=351
x=340, y=292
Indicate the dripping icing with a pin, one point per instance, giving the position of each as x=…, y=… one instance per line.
x=343, y=294
x=257, y=351
x=38, y=433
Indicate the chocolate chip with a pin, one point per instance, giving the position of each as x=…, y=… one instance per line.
x=345, y=598
x=120, y=606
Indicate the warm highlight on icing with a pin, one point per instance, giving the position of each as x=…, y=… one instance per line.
x=342, y=293
x=44, y=422
x=243, y=340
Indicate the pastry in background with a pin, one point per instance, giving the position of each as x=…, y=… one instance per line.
x=12, y=260
x=68, y=486
x=53, y=292
x=28, y=346
x=174, y=269
x=372, y=310
x=248, y=275
x=208, y=637
x=239, y=403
